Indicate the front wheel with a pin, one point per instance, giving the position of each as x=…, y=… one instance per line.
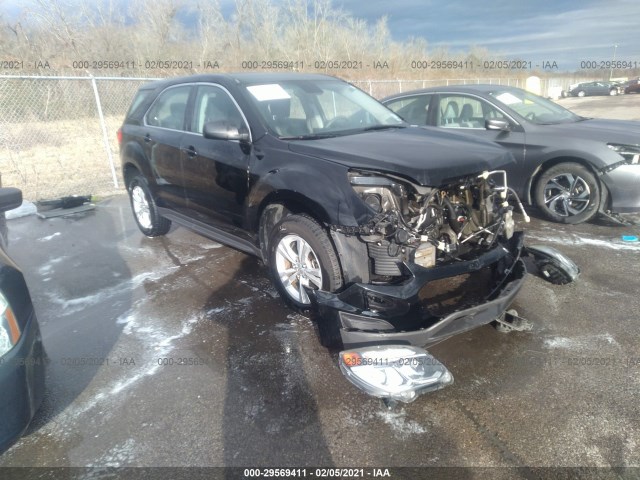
x=568, y=193
x=581, y=93
x=301, y=255
x=613, y=92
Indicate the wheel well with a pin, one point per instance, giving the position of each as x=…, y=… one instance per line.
x=275, y=208
x=552, y=163
x=129, y=171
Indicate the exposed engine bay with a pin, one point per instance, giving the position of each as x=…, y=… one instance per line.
x=430, y=226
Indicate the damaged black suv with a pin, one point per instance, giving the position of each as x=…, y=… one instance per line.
x=391, y=233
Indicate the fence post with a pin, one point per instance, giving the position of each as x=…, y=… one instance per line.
x=105, y=136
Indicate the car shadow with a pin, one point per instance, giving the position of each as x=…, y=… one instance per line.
x=270, y=412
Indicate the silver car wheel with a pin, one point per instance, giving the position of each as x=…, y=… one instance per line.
x=141, y=207
x=298, y=267
x=567, y=195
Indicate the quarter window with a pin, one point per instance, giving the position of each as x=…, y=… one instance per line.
x=168, y=111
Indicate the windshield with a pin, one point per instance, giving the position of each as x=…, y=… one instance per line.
x=534, y=108
x=307, y=109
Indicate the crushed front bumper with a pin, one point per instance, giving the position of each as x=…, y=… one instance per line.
x=368, y=314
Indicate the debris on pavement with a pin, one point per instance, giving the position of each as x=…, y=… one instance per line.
x=553, y=266
x=64, y=206
x=510, y=321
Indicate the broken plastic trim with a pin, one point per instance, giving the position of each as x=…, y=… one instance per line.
x=553, y=265
x=394, y=372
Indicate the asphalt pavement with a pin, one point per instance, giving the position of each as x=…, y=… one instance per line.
x=177, y=351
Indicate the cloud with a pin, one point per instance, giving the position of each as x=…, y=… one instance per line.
x=569, y=30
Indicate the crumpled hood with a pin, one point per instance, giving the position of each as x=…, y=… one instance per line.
x=429, y=156
x=610, y=131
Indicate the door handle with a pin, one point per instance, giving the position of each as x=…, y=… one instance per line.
x=147, y=138
x=190, y=151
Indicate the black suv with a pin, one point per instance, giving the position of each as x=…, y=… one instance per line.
x=390, y=233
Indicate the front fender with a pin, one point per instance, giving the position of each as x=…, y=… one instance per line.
x=318, y=187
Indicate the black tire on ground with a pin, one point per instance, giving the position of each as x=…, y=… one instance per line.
x=297, y=232
x=567, y=193
x=144, y=208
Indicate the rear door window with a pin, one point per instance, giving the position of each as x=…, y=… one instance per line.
x=414, y=109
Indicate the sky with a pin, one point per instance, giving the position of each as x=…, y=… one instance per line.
x=564, y=31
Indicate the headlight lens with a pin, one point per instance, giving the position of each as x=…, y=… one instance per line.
x=9, y=328
x=631, y=153
x=395, y=372
x=381, y=194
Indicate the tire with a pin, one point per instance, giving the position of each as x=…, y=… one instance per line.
x=144, y=208
x=581, y=93
x=568, y=193
x=299, y=236
x=613, y=92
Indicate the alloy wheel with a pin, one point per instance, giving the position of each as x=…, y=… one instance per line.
x=141, y=206
x=297, y=266
x=567, y=195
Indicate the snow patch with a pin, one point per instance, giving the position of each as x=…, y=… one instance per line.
x=399, y=423
x=25, y=209
x=118, y=456
x=211, y=246
x=581, y=342
x=73, y=305
x=613, y=244
x=47, y=267
x=46, y=239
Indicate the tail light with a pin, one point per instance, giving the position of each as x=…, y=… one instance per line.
x=119, y=136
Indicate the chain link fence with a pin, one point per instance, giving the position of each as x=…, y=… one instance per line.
x=58, y=134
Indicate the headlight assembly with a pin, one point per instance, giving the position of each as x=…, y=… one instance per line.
x=394, y=372
x=380, y=194
x=631, y=153
x=9, y=328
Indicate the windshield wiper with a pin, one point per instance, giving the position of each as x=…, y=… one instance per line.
x=313, y=136
x=383, y=127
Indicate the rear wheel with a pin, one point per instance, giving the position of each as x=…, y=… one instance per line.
x=581, y=93
x=568, y=193
x=144, y=209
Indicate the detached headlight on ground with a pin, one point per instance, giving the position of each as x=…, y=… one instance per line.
x=394, y=372
x=9, y=328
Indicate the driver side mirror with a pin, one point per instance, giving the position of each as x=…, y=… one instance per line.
x=495, y=124
x=224, y=131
